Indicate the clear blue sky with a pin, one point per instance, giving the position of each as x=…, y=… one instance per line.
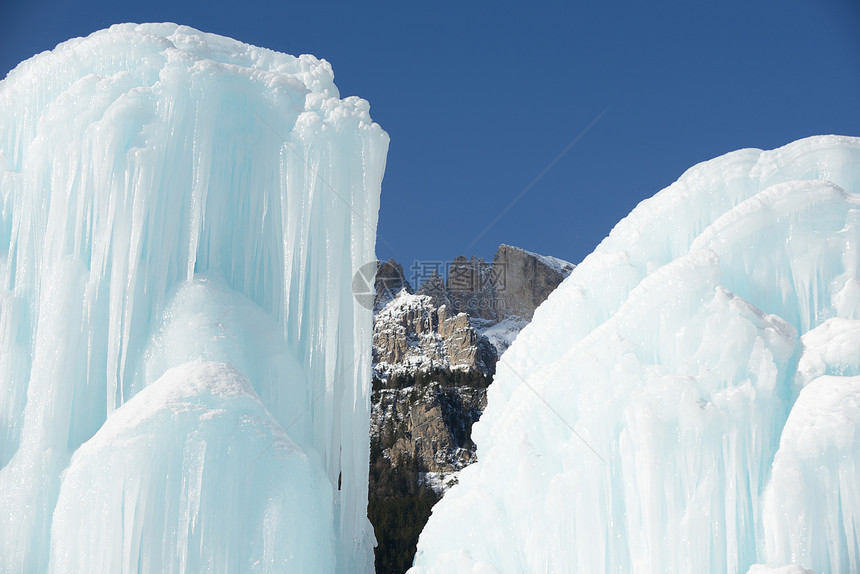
x=481, y=97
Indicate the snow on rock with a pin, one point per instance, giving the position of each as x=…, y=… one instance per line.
x=502, y=334
x=439, y=482
x=636, y=424
x=170, y=195
x=414, y=333
x=558, y=265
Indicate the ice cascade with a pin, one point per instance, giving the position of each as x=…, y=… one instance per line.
x=184, y=371
x=688, y=400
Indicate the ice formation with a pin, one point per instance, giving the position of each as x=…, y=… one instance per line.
x=184, y=373
x=688, y=400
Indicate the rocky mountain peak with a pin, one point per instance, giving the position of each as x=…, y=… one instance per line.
x=497, y=299
x=434, y=354
x=389, y=283
x=413, y=334
x=434, y=287
x=450, y=333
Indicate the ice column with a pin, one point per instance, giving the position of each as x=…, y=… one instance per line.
x=185, y=212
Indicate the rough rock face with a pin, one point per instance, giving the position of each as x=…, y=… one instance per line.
x=389, y=283
x=411, y=333
x=434, y=353
x=513, y=285
x=524, y=280
x=471, y=288
x=435, y=287
x=436, y=336
x=432, y=424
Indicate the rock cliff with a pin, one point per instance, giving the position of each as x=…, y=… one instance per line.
x=434, y=354
x=413, y=334
x=435, y=349
x=524, y=280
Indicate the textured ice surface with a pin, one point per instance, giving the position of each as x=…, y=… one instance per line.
x=818, y=455
x=169, y=197
x=686, y=400
x=791, y=569
x=200, y=422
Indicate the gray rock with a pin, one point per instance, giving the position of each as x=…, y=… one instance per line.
x=432, y=364
x=412, y=333
x=432, y=424
x=389, y=283
x=471, y=289
x=434, y=288
x=523, y=280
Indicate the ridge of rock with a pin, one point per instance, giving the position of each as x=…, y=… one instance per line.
x=434, y=354
x=450, y=332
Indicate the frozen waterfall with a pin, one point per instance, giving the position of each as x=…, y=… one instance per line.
x=184, y=372
x=688, y=400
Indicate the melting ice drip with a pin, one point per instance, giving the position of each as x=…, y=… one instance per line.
x=184, y=373
x=688, y=400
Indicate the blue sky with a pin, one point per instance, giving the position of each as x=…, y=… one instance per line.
x=481, y=98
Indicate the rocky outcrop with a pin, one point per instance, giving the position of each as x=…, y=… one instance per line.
x=389, y=283
x=441, y=344
x=512, y=286
x=431, y=424
x=412, y=334
x=471, y=287
x=434, y=287
x=434, y=354
x=523, y=280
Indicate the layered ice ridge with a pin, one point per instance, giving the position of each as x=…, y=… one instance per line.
x=665, y=410
x=201, y=422
x=171, y=196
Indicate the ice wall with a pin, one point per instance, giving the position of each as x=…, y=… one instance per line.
x=184, y=372
x=687, y=400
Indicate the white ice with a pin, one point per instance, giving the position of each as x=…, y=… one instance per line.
x=238, y=476
x=171, y=197
x=687, y=400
